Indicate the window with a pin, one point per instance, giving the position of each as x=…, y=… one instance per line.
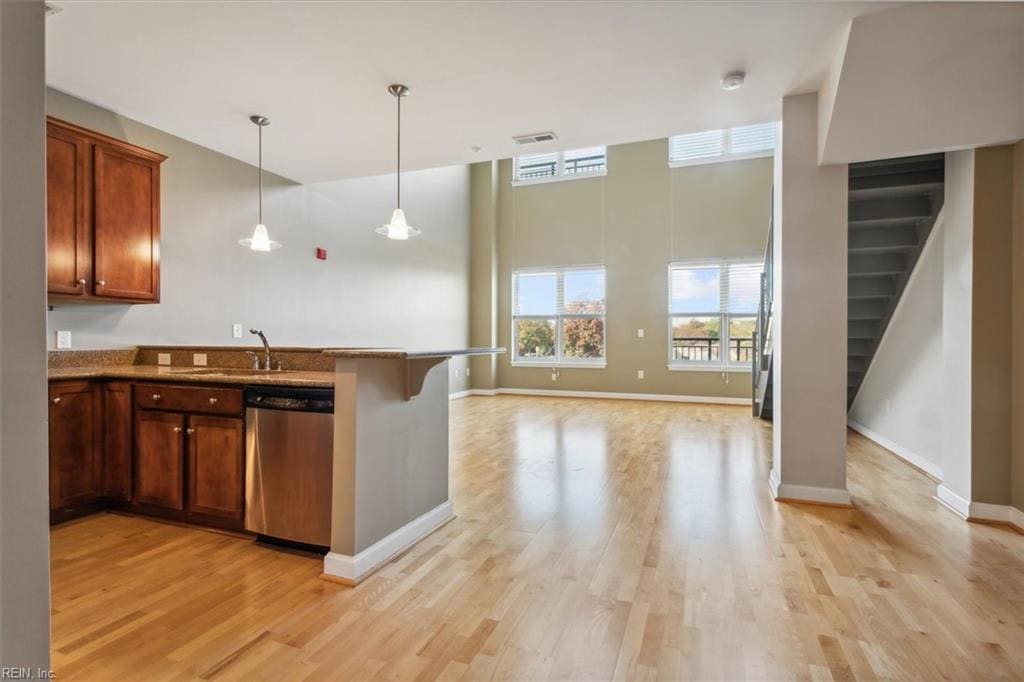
x=710, y=146
x=560, y=165
x=713, y=313
x=558, y=317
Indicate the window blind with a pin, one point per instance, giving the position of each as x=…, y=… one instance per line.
x=697, y=145
x=536, y=166
x=751, y=139
x=744, y=288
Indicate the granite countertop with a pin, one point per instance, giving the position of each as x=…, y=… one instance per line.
x=406, y=353
x=199, y=375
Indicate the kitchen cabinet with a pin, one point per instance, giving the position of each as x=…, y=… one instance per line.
x=160, y=459
x=75, y=444
x=103, y=212
x=216, y=466
x=117, y=440
x=190, y=451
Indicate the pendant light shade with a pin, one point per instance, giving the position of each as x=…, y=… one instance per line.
x=398, y=228
x=260, y=240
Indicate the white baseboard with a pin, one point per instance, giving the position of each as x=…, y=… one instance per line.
x=609, y=395
x=460, y=394
x=352, y=569
x=806, y=493
x=927, y=466
x=949, y=499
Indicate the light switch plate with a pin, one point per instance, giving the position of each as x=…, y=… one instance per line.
x=467, y=371
x=63, y=339
x=639, y=374
x=639, y=333
x=163, y=358
x=236, y=330
x=199, y=359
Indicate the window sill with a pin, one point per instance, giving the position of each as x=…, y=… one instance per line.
x=719, y=159
x=735, y=369
x=565, y=365
x=559, y=178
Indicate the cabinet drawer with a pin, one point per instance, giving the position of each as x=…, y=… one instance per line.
x=189, y=399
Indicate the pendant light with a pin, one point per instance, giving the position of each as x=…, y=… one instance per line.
x=260, y=240
x=398, y=228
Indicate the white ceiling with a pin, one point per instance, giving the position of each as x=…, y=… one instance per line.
x=593, y=72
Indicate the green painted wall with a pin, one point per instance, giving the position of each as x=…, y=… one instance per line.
x=635, y=220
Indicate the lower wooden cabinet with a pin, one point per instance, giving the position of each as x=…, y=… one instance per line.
x=117, y=440
x=216, y=471
x=75, y=443
x=172, y=451
x=159, y=459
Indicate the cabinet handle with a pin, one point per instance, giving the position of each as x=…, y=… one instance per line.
x=56, y=400
x=156, y=396
x=190, y=431
x=213, y=401
x=101, y=282
x=177, y=429
x=81, y=282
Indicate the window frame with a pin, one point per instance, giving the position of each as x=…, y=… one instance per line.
x=560, y=174
x=726, y=154
x=720, y=365
x=559, y=360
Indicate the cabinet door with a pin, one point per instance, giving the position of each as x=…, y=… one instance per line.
x=126, y=225
x=159, y=459
x=117, y=440
x=216, y=466
x=75, y=428
x=68, y=252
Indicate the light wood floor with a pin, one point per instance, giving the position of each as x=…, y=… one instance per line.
x=594, y=539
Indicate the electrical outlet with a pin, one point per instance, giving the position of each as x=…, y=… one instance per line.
x=199, y=359
x=63, y=340
x=639, y=374
x=163, y=358
x=458, y=373
x=467, y=371
x=640, y=335
x=236, y=331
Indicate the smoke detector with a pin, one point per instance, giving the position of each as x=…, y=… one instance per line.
x=534, y=138
x=733, y=80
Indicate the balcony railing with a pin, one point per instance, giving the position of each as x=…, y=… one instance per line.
x=703, y=349
x=549, y=169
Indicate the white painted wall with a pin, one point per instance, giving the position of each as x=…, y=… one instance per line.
x=900, y=404
x=809, y=448
x=24, y=492
x=370, y=291
x=926, y=77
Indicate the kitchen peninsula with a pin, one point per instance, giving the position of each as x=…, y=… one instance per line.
x=390, y=454
x=175, y=432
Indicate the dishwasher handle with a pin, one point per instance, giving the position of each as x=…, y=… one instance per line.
x=292, y=400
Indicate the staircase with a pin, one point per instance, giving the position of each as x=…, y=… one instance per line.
x=893, y=205
x=762, y=369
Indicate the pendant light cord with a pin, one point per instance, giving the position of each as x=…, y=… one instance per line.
x=261, y=171
x=398, y=162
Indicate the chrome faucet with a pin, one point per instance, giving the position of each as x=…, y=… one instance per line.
x=266, y=349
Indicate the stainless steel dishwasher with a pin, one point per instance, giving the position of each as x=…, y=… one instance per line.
x=289, y=450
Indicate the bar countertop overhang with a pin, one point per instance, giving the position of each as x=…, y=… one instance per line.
x=407, y=353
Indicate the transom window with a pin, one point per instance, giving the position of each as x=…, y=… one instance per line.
x=556, y=165
x=730, y=144
x=558, y=316
x=712, y=313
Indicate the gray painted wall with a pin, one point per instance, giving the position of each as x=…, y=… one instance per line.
x=24, y=508
x=370, y=291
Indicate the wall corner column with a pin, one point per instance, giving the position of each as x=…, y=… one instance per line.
x=483, y=273
x=810, y=364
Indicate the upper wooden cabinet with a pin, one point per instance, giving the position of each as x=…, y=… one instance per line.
x=103, y=217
